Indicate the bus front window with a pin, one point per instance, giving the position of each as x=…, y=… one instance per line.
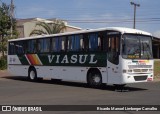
x=136, y=47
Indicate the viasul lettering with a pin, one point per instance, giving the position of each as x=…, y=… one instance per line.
x=73, y=59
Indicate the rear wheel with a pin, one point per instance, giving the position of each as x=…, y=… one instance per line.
x=94, y=79
x=32, y=74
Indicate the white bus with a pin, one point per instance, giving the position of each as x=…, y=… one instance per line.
x=111, y=55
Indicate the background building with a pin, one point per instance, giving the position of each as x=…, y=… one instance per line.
x=156, y=47
x=25, y=26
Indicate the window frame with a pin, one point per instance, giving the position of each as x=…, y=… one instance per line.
x=113, y=55
x=41, y=47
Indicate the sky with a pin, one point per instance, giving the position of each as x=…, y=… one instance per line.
x=91, y=14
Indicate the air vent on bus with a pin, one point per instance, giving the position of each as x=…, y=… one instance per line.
x=140, y=70
x=140, y=78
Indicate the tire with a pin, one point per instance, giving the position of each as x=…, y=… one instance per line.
x=32, y=74
x=94, y=79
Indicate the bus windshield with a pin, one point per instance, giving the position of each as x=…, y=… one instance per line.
x=136, y=47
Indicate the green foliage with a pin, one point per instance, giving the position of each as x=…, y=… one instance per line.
x=49, y=28
x=157, y=69
x=3, y=63
x=6, y=22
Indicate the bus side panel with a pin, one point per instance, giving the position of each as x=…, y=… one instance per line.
x=15, y=67
x=64, y=73
x=18, y=70
x=114, y=73
x=104, y=75
x=67, y=73
x=70, y=73
x=44, y=71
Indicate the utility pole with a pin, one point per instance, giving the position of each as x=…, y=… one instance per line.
x=135, y=5
x=12, y=15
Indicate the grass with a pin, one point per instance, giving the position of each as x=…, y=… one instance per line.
x=157, y=69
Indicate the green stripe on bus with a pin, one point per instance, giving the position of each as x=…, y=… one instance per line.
x=96, y=59
x=74, y=59
x=23, y=60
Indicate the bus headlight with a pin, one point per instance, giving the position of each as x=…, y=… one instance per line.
x=151, y=70
x=124, y=71
x=129, y=71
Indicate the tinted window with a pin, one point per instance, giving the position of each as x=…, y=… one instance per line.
x=43, y=45
x=19, y=46
x=12, y=48
x=113, y=48
x=93, y=42
x=56, y=44
x=75, y=43
x=63, y=44
x=31, y=46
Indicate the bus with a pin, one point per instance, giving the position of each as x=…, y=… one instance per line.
x=113, y=56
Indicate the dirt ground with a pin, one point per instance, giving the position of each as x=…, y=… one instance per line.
x=4, y=73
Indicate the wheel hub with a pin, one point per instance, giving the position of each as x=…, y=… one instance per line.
x=96, y=79
x=32, y=75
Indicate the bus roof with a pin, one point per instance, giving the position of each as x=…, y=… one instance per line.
x=117, y=29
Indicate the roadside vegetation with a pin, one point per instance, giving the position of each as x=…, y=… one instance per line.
x=3, y=63
x=7, y=22
x=157, y=69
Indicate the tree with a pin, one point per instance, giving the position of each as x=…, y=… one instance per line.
x=6, y=22
x=49, y=28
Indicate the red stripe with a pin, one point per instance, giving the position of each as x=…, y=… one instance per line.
x=31, y=59
x=141, y=61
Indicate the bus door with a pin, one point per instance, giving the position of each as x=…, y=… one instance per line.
x=113, y=48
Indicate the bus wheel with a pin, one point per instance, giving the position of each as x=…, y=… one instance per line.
x=32, y=74
x=94, y=79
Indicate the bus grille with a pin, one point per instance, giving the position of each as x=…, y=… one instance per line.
x=140, y=70
x=139, y=66
x=140, y=78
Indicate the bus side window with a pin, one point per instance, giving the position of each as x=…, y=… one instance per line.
x=31, y=46
x=43, y=45
x=12, y=48
x=113, y=49
x=93, y=42
x=58, y=42
x=70, y=43
x=102, y=41
x=63, y=43
x=38, y=46
x=85, y=42
x=53, y=44
x=81, y=48
x=19, y=46
x=74, y=43
x=77, y=42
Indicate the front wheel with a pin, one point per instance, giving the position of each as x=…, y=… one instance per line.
x=32, y=74
x=94, y=79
